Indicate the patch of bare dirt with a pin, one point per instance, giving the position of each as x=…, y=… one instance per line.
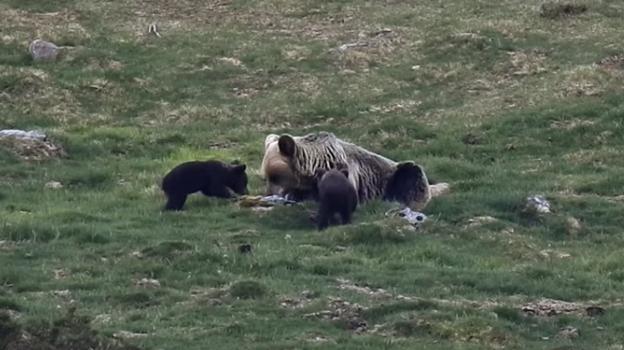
x=585, y=80
x=344, y=313
x=376, y=293
x=552, y=307
x=369, y=48
x=561, y=9
x=297, y=302
x=32, y=149
x=7, y=246
x=570, y=124
x=69, y=332
x=614, y=62
x=23, y=26
x=527, y=63
x=478, y=221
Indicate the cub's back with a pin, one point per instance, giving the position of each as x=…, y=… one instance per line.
x=335, y=188
x=192, y=176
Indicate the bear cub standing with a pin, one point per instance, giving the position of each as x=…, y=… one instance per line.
x=336, y=195
x=212, y=178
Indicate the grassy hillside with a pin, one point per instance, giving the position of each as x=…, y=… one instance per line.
x=502, y=99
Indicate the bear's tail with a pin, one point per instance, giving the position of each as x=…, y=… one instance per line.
x=439, y=189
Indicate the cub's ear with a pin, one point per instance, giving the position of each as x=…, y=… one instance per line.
x=318, y=174
x=239, y=168
x=287, y=145
x=343, y=168
x=271, y=138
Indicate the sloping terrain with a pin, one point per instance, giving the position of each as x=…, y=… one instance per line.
x=502, y=99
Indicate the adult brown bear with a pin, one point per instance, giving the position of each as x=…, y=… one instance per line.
x=290, y=163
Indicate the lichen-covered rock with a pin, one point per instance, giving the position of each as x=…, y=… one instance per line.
x=42, y=50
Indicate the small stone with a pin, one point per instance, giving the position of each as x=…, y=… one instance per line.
x=128, y=335
x=53, y=185
x=308, y=294
x=62, y=293
x=231, y=60
x=569, y=332
x=102, y=319
x=148, y=283
x=573, y=226
x=136, y=254
x=41, y=50
x=481, y=220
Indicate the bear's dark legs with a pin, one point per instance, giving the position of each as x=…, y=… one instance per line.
x=322, y=219
x=175, y=202
x=345, y=215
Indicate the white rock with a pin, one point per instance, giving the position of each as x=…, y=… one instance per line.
x=53, y=185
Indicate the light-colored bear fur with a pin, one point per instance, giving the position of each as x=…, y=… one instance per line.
x=368, y=172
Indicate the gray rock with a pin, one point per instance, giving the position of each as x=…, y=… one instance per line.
x=537, y=205
x=41, y=50
x=415, y=218
x=22, y=134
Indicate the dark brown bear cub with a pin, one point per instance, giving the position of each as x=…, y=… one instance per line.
x=336, y=195
x=212, y=178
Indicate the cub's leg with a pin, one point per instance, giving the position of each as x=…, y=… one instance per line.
x=175, y=202
x=323, y=218
x=345, y=215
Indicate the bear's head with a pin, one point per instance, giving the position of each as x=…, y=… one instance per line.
x=237, y=178
x=408, y=185
x=275, y=167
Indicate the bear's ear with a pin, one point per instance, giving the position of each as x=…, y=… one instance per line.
x=287, y=145
x=406, y=165
x=239, y=168
x=271, y=138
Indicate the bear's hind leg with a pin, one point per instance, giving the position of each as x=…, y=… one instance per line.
x=175, y=202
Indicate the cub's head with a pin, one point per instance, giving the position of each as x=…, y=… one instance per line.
x=237, y=178
x=408, y=186
x=340, y=169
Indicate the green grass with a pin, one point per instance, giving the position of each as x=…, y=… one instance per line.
x=491, y=97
